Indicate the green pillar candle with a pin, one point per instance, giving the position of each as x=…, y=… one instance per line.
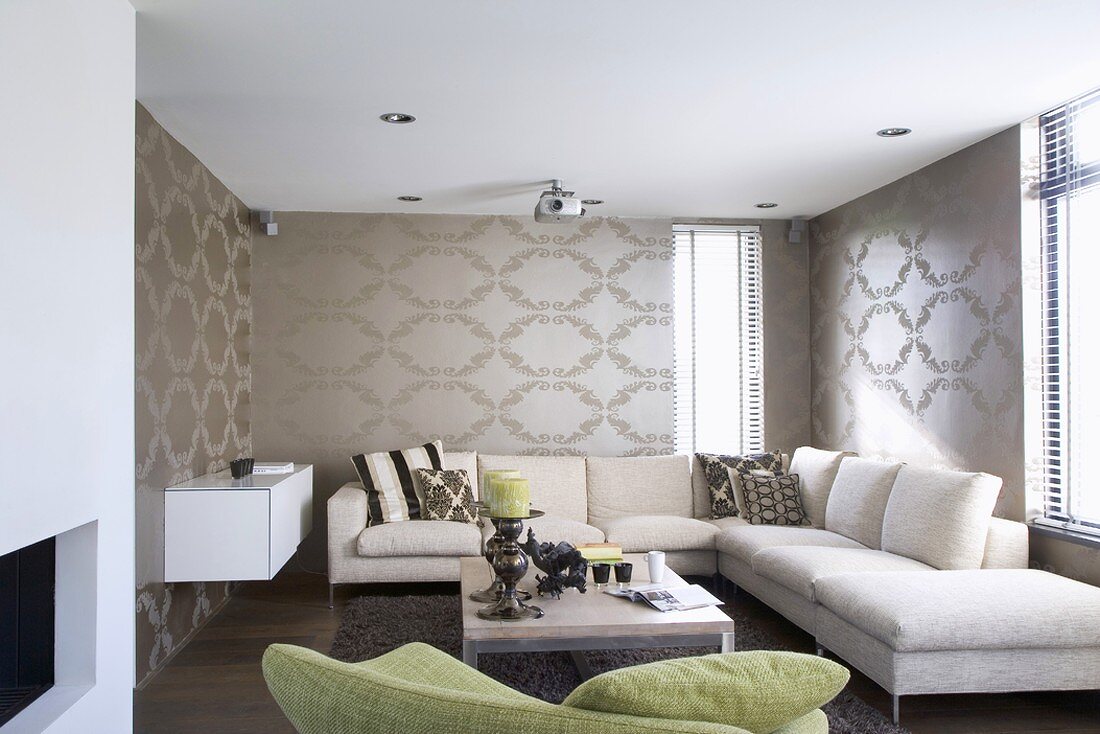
x=487, y=478
x=511, y=498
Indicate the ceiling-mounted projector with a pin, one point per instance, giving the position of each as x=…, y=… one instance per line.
x=556, y=205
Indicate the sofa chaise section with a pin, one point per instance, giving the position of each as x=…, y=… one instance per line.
x=968, y=631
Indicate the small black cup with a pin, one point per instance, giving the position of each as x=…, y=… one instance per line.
x=238, y=468
x=250, y=465
x=623, y=571
x=601, y=573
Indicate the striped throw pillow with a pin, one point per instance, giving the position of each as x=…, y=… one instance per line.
x=393, y=492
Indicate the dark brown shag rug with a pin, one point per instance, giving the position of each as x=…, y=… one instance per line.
x=373, y=625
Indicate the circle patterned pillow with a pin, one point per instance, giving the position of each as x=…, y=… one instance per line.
x=773, y=500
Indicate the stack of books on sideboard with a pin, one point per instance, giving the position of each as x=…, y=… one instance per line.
x=601, y=552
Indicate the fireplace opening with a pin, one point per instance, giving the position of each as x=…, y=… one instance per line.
x=26, y=626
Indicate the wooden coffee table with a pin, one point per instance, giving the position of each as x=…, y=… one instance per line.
x=591, y=621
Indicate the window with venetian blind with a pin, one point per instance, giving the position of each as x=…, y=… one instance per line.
x=718, y=340
x=1070, y=347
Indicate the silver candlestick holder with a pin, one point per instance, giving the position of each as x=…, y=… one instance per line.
x=510, y=564
x=495, y=590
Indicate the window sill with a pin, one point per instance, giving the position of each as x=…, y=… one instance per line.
x=1069, y=536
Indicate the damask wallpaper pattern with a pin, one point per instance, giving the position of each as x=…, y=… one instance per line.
x=916, y=321
x=492, y=333
x=194, y=320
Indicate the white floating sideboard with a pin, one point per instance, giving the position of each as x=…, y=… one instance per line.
x=217, y=528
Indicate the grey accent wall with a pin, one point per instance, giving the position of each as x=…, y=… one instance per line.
x=916, y=335
x=786, y=338
x=495, y=334
x=194, y=319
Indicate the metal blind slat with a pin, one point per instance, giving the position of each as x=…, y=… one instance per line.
x=718, y=301
x=1067, y=171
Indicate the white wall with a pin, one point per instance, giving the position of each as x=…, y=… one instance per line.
x=67, y=321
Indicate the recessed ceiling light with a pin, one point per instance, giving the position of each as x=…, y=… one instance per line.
x=410, y=198
x=397, y=118
x=766, y=205
x=893, y=132
x=591, y=202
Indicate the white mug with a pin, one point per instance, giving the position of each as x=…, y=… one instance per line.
x=656, y=561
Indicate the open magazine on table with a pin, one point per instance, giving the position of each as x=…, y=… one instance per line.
x=669, y=599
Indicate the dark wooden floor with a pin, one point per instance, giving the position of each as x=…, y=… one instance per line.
x=214, y=684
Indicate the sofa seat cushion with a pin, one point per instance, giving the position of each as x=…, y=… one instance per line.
x=799, y=568
x=967, y=610
x=745, y=541
x=550, y=529
x=659, y=532
x=728, y=522
x=420, y=538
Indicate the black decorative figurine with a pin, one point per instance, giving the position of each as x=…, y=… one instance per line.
x=564, y=565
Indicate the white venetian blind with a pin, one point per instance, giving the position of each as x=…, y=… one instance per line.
x=718, y=340
x=1070, y=205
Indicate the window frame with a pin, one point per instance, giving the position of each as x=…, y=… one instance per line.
x=1061, y=177
x=749, y=308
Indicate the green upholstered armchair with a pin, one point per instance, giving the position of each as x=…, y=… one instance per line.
x=417, y=689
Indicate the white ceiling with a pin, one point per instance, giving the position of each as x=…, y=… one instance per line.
x=662, y=108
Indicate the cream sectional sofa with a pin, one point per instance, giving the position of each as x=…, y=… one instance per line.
x=908, y=577
x=643, y=503
x=900, y=565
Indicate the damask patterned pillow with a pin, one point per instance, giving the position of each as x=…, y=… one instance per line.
x=717, y=469
x=773, y=500
x=448, y=495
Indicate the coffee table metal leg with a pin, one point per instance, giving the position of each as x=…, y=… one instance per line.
x=583, y=668
x=727, y=642
x=469, y=653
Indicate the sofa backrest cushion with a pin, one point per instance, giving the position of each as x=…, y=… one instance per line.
x=467, y=461
x=1006, y=545
x=700, y=493
x=557, y=482
x=857, y=500
x=638, y=485
x=816, y=470
x=940, y=517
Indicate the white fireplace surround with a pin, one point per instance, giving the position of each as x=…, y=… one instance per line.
x=67, y=328
x=74, y=630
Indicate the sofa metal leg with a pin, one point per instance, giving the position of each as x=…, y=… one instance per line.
x=897, y=708
x=331, y=587
x=819, y=649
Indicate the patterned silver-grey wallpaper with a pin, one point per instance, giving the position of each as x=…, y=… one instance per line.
x=493, y=333
x=194, y=318
x=916, y=336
